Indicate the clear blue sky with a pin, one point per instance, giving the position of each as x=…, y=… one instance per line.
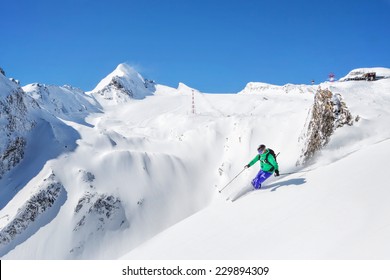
x=211, y=45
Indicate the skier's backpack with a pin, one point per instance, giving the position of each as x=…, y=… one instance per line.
x=272, y=153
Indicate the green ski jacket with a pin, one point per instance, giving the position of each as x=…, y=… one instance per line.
x=267, y=161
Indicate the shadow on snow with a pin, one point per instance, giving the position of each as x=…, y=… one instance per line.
x=47, y=141
x=290, y=182
x=273, y=187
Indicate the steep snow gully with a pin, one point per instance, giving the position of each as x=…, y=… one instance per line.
x=128, y=171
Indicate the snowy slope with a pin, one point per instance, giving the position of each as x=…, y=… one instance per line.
x=138, y=178
x=338, y=209
x=65, y=102
x=33, y=136
x=328, y=213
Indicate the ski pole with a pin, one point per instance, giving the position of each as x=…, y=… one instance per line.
x=231, y=180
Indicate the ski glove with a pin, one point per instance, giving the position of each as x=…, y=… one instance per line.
x=246, y=166
x=276, y=173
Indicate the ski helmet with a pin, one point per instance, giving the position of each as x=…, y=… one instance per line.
x=261, y=148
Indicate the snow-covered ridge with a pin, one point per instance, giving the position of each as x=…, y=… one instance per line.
x=184, y=89
x=122, y=71
x=255, y=87
x=66, y=102
x=381, y=73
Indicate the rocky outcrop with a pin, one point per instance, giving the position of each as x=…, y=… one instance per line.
x=123, y=85
x=15, y=123
x=95, y=214
x=12, y=155
x=47, y=194
x=116, y=85
x=328, y=113
x=99, y=209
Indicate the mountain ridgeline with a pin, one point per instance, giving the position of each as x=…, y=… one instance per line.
x=103, y=171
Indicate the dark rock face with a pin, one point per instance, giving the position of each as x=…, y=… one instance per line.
x=12, y=155
x=15, y=124
x=328, y=113
x=97, y=208
x=116, y=85
x=32, y=209
x=96, y=214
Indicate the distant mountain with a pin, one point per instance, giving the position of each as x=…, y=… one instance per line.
x=122, y=85
x=255, y=87
x=66, y=102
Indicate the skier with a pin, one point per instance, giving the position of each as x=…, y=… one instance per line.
x=268, y=165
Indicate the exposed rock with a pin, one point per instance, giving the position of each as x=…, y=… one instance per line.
x=31, y=210
x=123, y=85
x=15, y=124
x=116, y=85
x=17, y=82
x=95, y=214
x=328, y=113
x=87, y=176
x=12, y=155
x=99, y=209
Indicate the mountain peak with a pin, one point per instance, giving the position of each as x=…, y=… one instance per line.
x=122, y=84
x=183, y=88
x=123, y=70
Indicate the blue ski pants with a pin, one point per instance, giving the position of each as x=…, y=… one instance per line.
x=260, y=178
